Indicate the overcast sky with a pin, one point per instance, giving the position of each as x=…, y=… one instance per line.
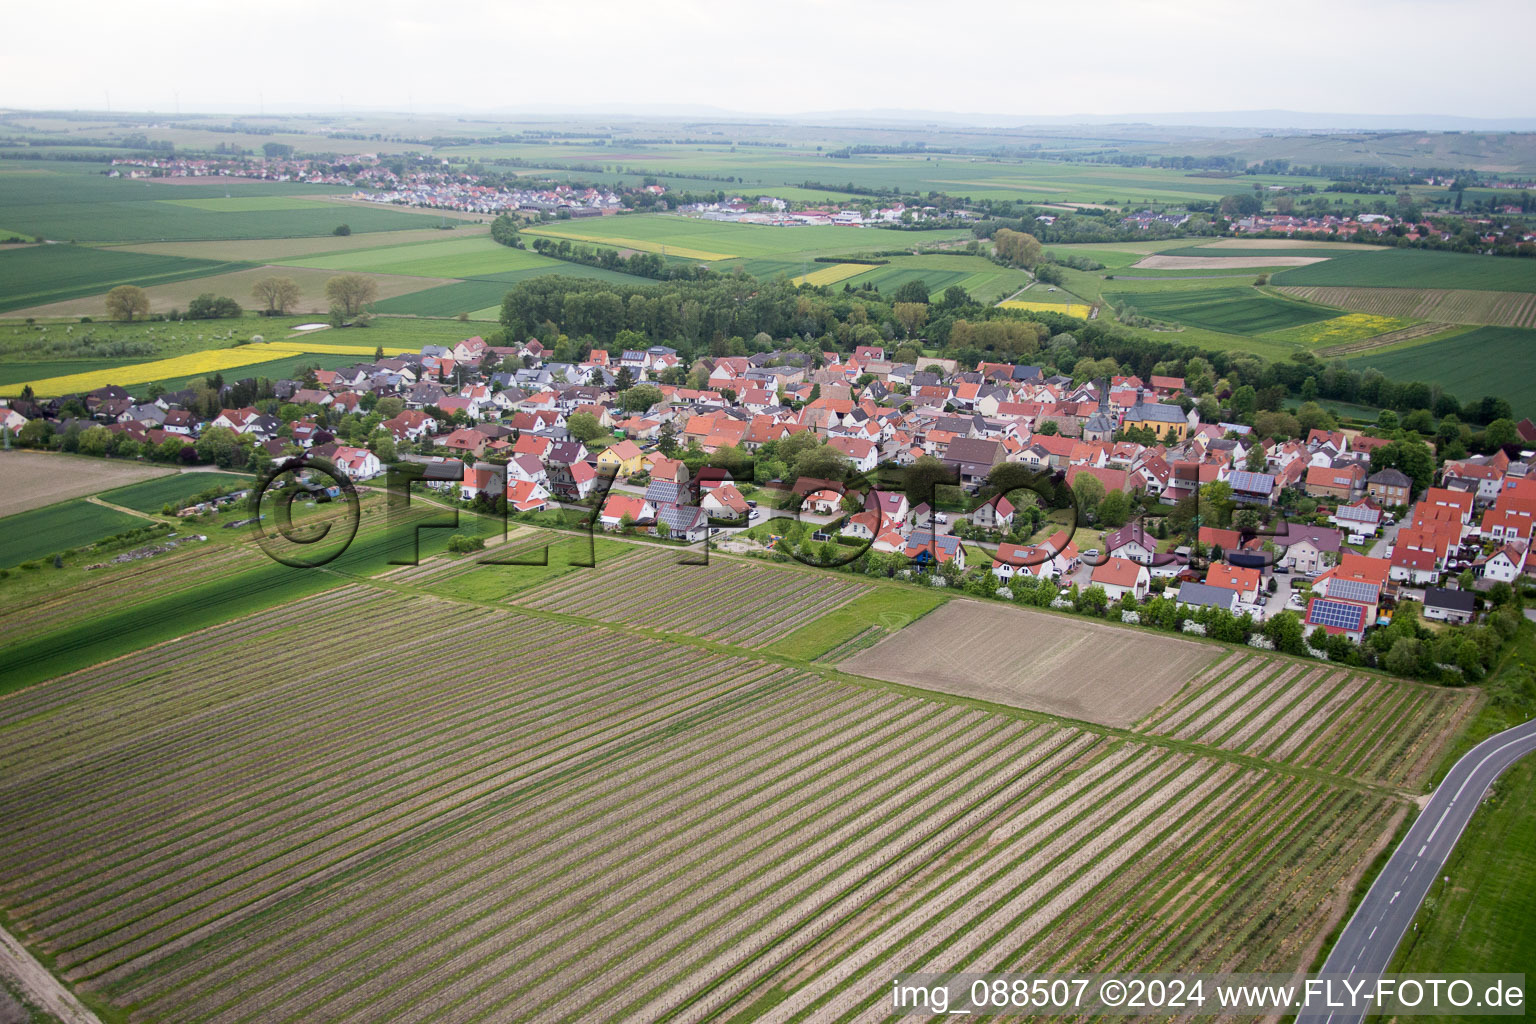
x=1461, y=57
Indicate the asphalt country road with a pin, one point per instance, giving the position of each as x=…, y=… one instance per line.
x=1369, y=940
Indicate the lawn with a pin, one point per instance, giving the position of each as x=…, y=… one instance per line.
x=43, y=532
x=889, y=608
x=1498, y=361
x=152, y=495
x=1416, y=268
x=1232, y=310
x=499, y=582
x=51, y=273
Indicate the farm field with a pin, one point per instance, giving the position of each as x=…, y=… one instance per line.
x=1069, y=308
x=1340, y=330
x=67, y=201
x=745, y=603
x=270, y=250
x=235, y=284
x=1486, y=361
x=860, y=623
x=152, y=495
x=1415, y=268
x=42, y=274
x=1003, y=654
x=196, y=364
x=42, y=532
x=1232, y=310
x=476, y=256
x=1288, y=711
x=713, y=241
x=1455, y=306
x=831, y=274
x=982, y=279
x=615, y=827
x=36, y=479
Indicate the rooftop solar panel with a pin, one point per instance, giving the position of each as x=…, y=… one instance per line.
x=1353, y=590
x=1336, y=614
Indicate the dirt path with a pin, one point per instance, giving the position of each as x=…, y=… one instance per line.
x=121, y=508
x=40, y=987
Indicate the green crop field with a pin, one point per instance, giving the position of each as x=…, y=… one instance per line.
x=1487, y=361
x=984, y=280
x=725, y=240
x=70, y=201
x=151, y=495
x=246, y=204
x=16, y=371
x=51, y=273
x=42, y=532
x=452, y=257
x=1230, y=310
x=1416, y=268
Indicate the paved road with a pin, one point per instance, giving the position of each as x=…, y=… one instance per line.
x=1368, y=942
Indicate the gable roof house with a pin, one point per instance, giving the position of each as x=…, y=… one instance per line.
x=1131, y=541
x=1121, y=576
x=974, y=458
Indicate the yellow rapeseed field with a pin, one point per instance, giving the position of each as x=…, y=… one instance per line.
x=640, y=244
x=1340, y=329
x=1077, y=309
x=831, y=274
x=208, y=361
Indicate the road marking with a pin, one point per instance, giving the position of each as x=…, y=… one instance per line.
x=1395, y=895
x=1421, y=850
x=1412, y=866
x=1372, y=935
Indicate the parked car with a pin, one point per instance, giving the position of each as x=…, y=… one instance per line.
x=751, y=503
x=1281, y=570
x=753, y=514
x=940, y=517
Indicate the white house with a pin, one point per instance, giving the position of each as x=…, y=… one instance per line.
x=1121, y=576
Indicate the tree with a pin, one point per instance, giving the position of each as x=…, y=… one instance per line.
x=623, y=380
x=351, y=292
x=342, y=229
x=911, y=291
x=923, y=478
x=1412, y=457
x=1216, y=503
x=1017, y=248
x=1256, y=461
x=911, y=315
x=823, y=463
x=277, y=294
x=1114, y=508
x=1499, y=433
x=1049, y=428
x=640, y=397
x=126, y=300
x=208, y=306
x=583, y=426
x=1089, y=492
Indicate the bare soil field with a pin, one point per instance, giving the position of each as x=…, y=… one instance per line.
x=264, y=250
x=31, y=480
x=1078, y=669
x=1222, y=262
x=237, y=286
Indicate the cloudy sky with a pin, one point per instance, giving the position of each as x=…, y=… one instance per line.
x=1467, y=58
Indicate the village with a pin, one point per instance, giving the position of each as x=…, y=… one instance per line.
x=782, y=454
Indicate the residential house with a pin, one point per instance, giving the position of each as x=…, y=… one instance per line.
x=926, y=549
x=1131, y=542
x=1390, y=487
x=1121, y=576
x=527, y=496
x=1204, y=595
x=1245, y=583
x=996, y=513
x=623, y=459
x=682, y=522
x=483, y=479
x=1449, y=605
x=619, y=505
x=1343, y=483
